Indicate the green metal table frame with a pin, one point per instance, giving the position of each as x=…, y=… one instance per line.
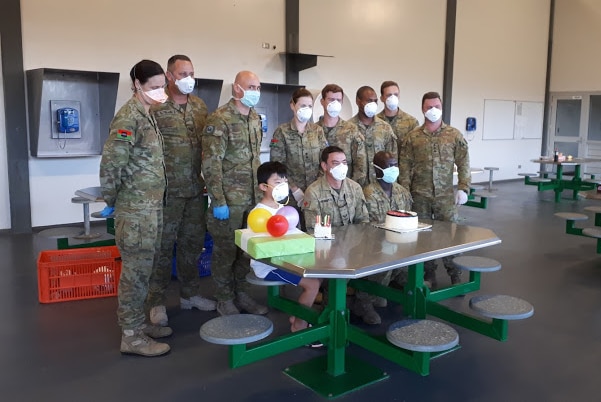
x=338, y=373
x=571, y=229
x=559, y=184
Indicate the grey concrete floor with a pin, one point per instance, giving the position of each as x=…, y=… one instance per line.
x=70, y=351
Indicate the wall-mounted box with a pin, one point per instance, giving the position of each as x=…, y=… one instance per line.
x=274, y=105
x=69, y=111
x=209, y=90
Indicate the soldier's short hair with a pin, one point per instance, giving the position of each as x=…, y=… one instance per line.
x=431, y=95
x=144, y=70
x=331, y=88
x=329, y=150
x=267, y=169
x=362, y=90
x=387, y=84
x=300, y=93
x=175, y=58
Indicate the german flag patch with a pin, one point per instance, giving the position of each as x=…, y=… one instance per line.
x=124, y=135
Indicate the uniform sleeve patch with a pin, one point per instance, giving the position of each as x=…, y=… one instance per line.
x=273, y=142
x=210, y=129
x=124, y=135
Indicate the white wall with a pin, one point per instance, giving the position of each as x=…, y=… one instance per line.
x=576, y=65
x=4, y=196
x=375, y=41
x=220, y=37
x=500, y=53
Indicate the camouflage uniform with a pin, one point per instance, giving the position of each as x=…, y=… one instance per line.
x=378, y=204
x=231, y=144
x=426, y=169
x=299, y=152
x=344, y=207
x=402, y=123
x=346, y=136
x=378, y=137
x=184, y=211
x=132, y=176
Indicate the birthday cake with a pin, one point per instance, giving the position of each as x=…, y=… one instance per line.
x=401, y=220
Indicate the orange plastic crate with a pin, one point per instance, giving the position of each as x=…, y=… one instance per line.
x=77, y=274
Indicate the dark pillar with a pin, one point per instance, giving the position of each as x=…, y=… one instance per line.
x=449, y=59
x=13, y=77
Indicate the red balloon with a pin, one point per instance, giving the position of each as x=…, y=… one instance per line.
x=277, y=225
x=291, y=215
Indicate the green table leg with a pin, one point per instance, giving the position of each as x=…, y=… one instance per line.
x=559, y=188
x=336, y=373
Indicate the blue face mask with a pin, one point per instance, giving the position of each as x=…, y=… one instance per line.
x=250, y=98
x=390, y=173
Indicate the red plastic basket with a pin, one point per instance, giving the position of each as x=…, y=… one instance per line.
x=77, y=274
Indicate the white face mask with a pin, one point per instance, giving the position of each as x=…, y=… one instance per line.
x=334, y=108
x=157, y=95
x=339, y=172
x=185, y=85
x=304, y=114
x=280, y=192
x=433, y=114
x=392, y=102
x=370, y=109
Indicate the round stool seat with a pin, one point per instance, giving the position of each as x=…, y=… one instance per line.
x=80, y=200
x=540, y=180
x=475, y=263
x=484, y=195
x=528, y=174
x=422, y=335
x=476, y=187
x=236, y=329
x=98, y=215
x=571, y=216
x=491, y=168
x=255, y=280
x=592, y=232
x=595, y=209
x=502, y=307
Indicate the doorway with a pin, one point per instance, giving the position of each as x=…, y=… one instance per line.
x=575, y=127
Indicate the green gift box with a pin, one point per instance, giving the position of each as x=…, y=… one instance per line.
x=263, y=245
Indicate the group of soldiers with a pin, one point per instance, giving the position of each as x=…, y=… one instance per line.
x=160, y=144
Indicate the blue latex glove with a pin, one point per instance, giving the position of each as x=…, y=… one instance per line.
x=107, y=211
x=221, y=213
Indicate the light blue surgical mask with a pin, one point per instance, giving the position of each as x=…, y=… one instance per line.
x=251, y=97
x=390, y=173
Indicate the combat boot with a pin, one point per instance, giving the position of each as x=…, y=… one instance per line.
x=136, y=342
x=156, y=331
x=430, y=277
x=245, y=302
x=227, y=308
x=199, y=302
x=380, y=301
x=158, y=316
x=366, y=311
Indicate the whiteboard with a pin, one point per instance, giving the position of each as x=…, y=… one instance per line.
x=499, y=118
x=528, y=120
x=510, y=119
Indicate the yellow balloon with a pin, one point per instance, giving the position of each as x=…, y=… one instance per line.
x=257, y=220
